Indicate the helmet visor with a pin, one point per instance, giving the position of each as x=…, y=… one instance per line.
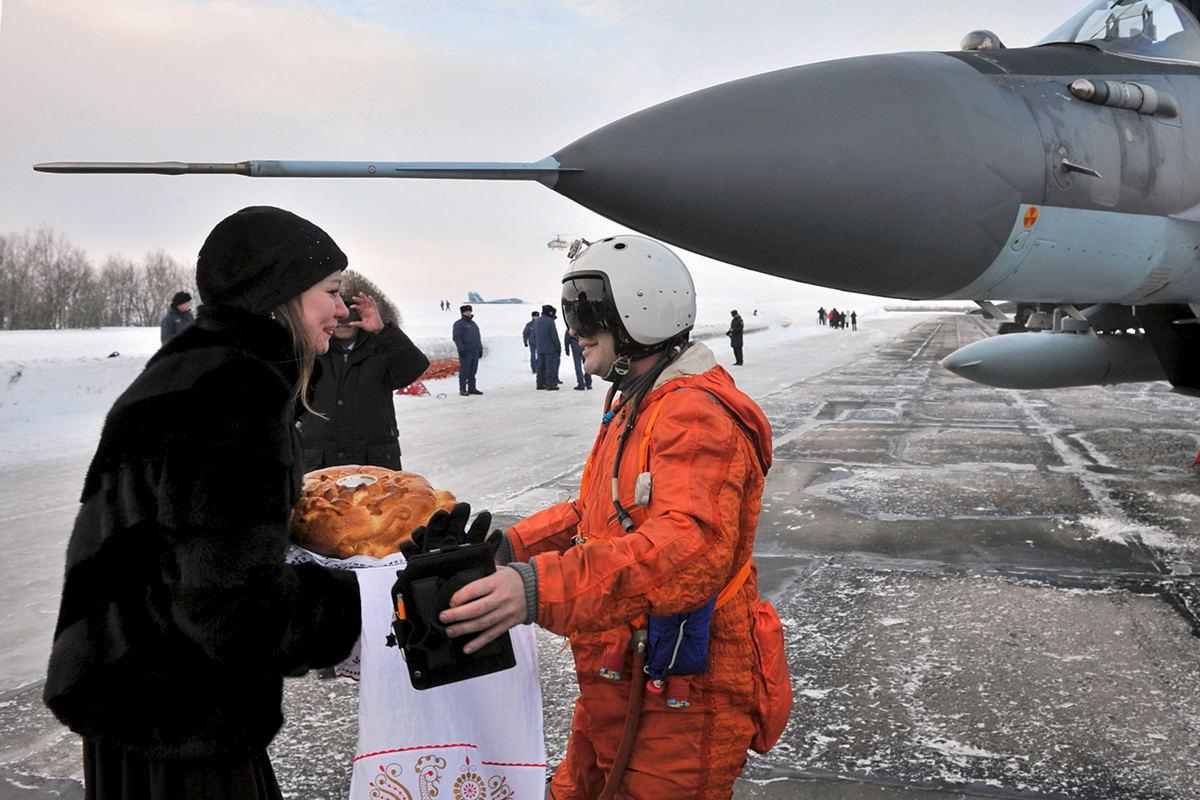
x=587, y=305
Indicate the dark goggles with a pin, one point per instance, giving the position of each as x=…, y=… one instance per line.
x=587, y=305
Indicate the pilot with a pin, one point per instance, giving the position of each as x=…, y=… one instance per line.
x=693, y=451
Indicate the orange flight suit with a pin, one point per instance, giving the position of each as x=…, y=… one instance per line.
x=595, y=581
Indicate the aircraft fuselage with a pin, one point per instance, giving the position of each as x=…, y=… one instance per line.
x=920, y=175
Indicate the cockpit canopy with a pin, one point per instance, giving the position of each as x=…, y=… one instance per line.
x=1162, y=30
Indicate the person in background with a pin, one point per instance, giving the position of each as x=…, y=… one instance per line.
x=531, y=342
x=354, y=417
x=470, y=349
x=179, y=617
x=821, y=315
x=853, y=320
x=571, y=347
x=178, y=316
x=546, y=334
x=736, y=326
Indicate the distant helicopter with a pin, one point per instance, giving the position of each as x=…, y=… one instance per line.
x=558, y=243
x=1064, y=176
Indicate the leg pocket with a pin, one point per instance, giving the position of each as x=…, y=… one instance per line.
x=670, y=754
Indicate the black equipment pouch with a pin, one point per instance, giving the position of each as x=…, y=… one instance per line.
x=422, y=591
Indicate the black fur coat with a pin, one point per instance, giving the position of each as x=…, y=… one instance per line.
x=179, y=618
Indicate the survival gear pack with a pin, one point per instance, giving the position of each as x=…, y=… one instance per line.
x=677, y=644
x=443, y=557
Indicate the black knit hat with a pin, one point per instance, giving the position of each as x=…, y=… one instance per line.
x=263, y=256
x=179, y=298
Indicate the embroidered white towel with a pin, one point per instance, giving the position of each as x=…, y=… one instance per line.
x=479, y=739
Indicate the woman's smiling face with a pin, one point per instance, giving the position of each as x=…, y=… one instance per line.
x=321, y=307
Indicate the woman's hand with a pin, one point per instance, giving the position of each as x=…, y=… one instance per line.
x=488, y=606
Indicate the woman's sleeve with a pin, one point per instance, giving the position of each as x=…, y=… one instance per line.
x=224, y=507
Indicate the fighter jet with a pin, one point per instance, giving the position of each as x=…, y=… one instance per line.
x=1064, y=176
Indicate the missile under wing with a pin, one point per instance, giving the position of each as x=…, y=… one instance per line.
x=1060, y=176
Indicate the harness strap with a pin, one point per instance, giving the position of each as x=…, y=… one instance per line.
x=735, y=584
x=644, y=447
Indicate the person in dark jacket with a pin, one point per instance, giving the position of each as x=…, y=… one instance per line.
x=355, y=419
x=178, y=316
x=736, y=325
x=531, y=342
x=545, y=332
x=178, y=615
x=583, y=380
x=470, y=349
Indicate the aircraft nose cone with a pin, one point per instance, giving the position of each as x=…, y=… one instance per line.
x=897, y=175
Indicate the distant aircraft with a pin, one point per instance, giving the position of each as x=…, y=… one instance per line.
x=477, y=299
x=1065, y=177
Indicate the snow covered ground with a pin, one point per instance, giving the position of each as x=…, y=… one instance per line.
x=511, y=450
x=972, y=581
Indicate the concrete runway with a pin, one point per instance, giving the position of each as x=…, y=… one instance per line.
x=985, y=593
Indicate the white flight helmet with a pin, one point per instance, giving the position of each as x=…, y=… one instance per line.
x=633, y=286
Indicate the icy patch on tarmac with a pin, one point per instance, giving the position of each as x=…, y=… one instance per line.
x=952, y=492
x=1120, y=532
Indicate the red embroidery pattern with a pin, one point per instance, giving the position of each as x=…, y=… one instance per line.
x=389, y=783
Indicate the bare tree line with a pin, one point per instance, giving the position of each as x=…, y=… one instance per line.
x=47, y=282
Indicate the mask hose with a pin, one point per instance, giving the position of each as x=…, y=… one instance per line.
x=636, y=391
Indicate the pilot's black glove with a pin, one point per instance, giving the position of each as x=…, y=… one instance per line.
x=445, y=529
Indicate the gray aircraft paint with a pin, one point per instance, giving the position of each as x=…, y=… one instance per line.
x=938, y=160
x=1084, y=256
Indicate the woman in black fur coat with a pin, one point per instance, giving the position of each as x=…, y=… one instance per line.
x=179, y=618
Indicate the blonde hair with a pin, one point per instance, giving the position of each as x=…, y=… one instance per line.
x=290, y=316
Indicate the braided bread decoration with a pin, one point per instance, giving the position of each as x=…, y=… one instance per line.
x=363, y=511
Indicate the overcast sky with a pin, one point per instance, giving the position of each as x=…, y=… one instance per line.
x=389, y=80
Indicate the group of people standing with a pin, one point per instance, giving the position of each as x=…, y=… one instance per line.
x=540, y=336
x=837, y=319
x=180, y=617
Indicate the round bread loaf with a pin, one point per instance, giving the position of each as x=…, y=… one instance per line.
x=363, y=511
